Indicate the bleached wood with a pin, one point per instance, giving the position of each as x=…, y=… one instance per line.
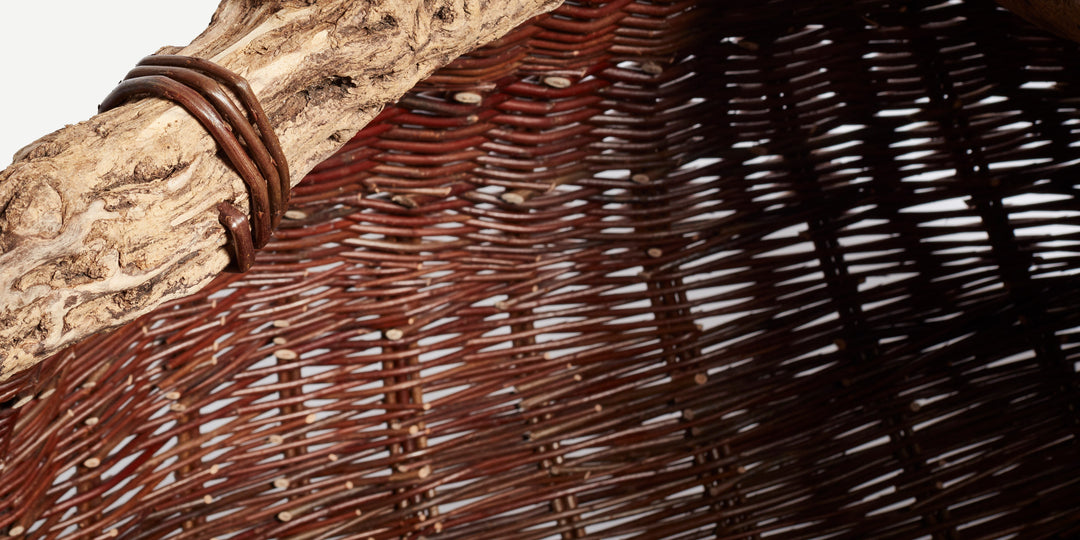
x=1061, y=17
x=104, y=220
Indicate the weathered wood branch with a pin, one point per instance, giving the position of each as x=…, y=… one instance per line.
x=1061, y=17
x=104, y=220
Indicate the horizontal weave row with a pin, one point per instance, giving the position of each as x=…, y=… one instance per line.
x=640, y=269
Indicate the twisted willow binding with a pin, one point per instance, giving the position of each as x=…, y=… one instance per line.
x=641, y=269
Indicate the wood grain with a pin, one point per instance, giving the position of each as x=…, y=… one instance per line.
x=104, y=220
x=1061, y=17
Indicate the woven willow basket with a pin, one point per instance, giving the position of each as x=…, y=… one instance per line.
x=641, y=269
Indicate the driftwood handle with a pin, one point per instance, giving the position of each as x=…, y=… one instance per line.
x=1061, y=17
x=104, y=220
x=200, y=87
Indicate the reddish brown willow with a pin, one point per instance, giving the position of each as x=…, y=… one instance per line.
x=640, y=269
x=203, y=88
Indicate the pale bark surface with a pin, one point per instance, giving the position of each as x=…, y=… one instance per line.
x=1061, y=17
x=104, y=220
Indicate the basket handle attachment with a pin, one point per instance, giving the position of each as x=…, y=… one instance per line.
x=199, y=86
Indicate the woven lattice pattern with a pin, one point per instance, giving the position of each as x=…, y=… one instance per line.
x=641, y=269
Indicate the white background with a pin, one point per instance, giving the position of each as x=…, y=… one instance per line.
x=59, y=58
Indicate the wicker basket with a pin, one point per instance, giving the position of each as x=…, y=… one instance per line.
x=641, y=269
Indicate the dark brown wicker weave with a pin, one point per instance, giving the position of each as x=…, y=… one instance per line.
x=689, y=269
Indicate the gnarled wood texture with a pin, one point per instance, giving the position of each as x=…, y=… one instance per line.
x=104, y=220
x=1061, y=17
